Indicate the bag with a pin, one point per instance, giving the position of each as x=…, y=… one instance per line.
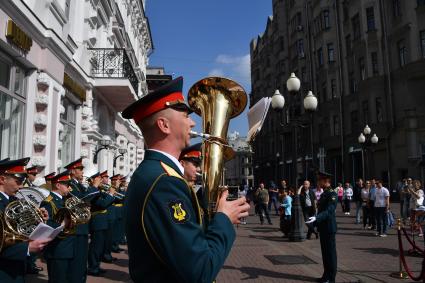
x=390, y=219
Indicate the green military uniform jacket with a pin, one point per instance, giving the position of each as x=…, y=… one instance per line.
x=166, y=238
x=325, y=219
x=61, y=247
x=13, y=258
x=99, y=204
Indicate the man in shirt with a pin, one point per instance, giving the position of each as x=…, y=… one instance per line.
x=308, y=205
x=382, y=205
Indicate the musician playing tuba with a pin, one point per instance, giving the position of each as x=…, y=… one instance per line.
x=13, y=254
x=166, y=236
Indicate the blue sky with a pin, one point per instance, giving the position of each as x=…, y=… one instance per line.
x=199, y=38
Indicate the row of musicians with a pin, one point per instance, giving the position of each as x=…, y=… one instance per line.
x=69, y=256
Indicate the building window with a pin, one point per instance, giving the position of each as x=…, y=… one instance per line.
x=335, y=126
x=379, y=110
x=370, y=18
x=12, y=108
x=331, y=53
x=402, y=52
x=355, y=24
x=324, y=91
x=320, y=57
x=326, y=19
x=421, y=2
x=353, y=83
x=333, y=88
x=354, y=121
x=67, y=136
x=300, y=48
x=396, y=8
x=374, y=59
x=362, y=69
x=281, y=43
x=348, y=44
x=304, y=78
x=365, y=109
x=422, y=39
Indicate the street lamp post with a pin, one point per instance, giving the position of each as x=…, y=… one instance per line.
x=365, y=140
x=105, y=142
x=277, y=167
x=310, y=104
x=121, y=152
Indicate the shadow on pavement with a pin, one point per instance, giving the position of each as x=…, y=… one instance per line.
x=386, y=251
x=116, y=275
x=270, y=238
x=122, y=262
x=263, y=229
x=254, y=273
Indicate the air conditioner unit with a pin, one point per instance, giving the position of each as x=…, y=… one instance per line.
x=300, y=28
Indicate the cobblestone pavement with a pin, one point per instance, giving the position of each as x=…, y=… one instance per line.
x=362, y=257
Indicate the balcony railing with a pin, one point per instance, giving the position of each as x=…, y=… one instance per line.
x=112, y=63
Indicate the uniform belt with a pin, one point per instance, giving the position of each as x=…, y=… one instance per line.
x=98, y=212
x=118, y=204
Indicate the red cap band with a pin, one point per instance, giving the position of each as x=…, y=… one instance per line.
x=157, y=105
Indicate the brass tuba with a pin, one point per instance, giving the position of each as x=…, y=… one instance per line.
x=18, y=221
x=76, y=210
x=216, y=100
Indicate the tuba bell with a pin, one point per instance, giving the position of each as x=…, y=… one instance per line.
x=216, y=100
x=18, y=221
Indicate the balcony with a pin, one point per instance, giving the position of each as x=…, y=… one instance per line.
x=114, y=76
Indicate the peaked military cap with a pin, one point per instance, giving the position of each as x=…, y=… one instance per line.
x=49, y=176
x=4, y=160
x=75, y=164
x=191, y=153
x=63, y=177
x=116, y=177
x=324, y=175
x=94, y=176
x=33, y=170
x=15, y=167
x=104, y=174
x=167, y=96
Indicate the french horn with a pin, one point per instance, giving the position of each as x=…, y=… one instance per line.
x=216, y=100
x=76, y=210
x=19, y=220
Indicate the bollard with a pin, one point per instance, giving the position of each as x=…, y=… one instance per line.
x=400, y=274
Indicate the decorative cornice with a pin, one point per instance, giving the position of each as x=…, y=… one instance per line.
x=40, y=120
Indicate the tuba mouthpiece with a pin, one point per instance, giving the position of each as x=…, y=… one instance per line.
x=194, y=134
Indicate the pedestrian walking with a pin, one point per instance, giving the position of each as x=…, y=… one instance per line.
x=382, y=206
x=263, y=200
x=365, y=204
x=285, y=218
x=340, y=192
x=347, y=196
x=308, y=204
x=357, y=198
x=273, y=198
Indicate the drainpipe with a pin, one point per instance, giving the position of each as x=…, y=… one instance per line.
x=341, y=79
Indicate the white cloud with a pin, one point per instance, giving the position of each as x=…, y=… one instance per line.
x=234, y=67
x=216, y=72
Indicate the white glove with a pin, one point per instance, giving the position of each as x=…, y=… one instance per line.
x=311, y=220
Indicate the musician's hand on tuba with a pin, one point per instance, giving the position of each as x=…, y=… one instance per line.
x=234, y=209
x=44, y=213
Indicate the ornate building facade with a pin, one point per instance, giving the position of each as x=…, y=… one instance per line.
x=67, y=70
x=364, y=60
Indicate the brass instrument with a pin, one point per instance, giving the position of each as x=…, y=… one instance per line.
x=216, y=100
x=76, y=210
x=19, y=220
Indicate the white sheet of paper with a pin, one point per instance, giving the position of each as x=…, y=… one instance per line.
x=44, y=231
x=256, y=116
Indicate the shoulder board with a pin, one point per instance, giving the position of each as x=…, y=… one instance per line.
x=48, y=199
x=170, y=171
